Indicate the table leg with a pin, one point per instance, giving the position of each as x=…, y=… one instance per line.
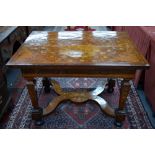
x=46, y=84
x=120, y=112
x=111, y=85
x=37, y=111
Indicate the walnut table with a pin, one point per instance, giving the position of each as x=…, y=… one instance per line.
x=106, y=54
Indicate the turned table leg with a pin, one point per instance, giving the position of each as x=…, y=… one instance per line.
x=111, y=85
x=46, y=84
x=120, y=111
x=37, y=112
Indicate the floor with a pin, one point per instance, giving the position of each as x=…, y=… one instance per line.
x=13, y=74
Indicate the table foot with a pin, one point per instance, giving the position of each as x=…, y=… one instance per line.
x=119, y=117
x=37, y=116
x=104, y=106
x=118, y=124
x=39, y=123
x=120, y=113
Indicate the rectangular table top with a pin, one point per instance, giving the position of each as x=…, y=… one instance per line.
x=78, y=48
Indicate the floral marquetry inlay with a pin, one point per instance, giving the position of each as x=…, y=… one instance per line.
x=78, y=48
x=78, y=54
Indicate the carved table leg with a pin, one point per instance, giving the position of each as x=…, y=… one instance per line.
x=111, y=85
x=37, y=111
x=46, y=84
x=120, y=112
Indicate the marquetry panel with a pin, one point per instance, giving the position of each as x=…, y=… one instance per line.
x=96, y=48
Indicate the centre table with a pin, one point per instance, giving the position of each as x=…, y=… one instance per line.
x=95, y=54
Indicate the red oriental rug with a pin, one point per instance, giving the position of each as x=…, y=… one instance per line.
x=75, y=116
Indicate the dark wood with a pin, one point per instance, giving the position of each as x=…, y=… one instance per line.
x=46, y=84
x=80, y=54
x=37, y=115
x=111, y=85
x=120, y=112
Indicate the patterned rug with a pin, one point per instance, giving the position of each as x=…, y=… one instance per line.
x=69, y=115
